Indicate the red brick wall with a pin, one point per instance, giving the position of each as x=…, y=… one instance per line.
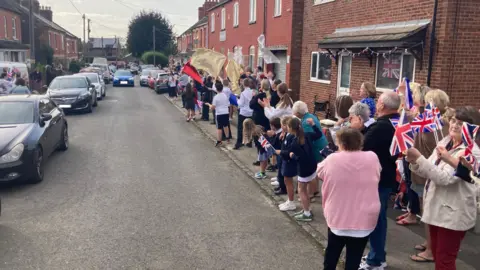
x=456, y=81
x=8, y=15
x=72, y=46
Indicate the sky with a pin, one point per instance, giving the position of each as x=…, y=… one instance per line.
x=111, y=17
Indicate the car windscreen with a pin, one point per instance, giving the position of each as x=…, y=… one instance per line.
x=68, y=83
x=145, y=72
x=154, y=73
x=163, y=76
x=16, y=112
x=103, y=68
x=20, y=90
x=123, y=73
x=92, y=77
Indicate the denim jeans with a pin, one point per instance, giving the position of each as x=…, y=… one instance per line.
x=378, y=238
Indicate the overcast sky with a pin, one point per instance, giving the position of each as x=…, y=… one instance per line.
x=111, y=17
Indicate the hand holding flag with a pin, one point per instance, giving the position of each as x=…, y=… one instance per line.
x=403, y=137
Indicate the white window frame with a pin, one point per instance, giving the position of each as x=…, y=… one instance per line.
x=277, y=11
x=251, y=56
x=49, y=39
x=5, y=26
x=236, y=11
x=315, y=79
x=253, y=11
x=212, y=22
x=379, y=89
x=342, y=90
x=224, y=18
x=14, y=28
x=319, y=2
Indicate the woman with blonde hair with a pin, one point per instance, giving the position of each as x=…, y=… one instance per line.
x=368, y=92
x=283, y=108
x=426, y=143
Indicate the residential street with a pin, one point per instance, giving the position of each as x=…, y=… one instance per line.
x=140, y=188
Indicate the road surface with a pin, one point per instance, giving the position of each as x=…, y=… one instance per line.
x=140, y=188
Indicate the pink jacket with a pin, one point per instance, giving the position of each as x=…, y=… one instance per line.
x=350, y=190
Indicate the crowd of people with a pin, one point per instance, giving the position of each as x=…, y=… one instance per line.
x=353, y=161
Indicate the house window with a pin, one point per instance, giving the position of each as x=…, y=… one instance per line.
x=251, y=57
x=253, y=11
x=320, y=67
x=63, y=43
x=278, y=8
x=14, y=28
x=344, y=69
x=223, y=18
x=393, y=68
x=5, y=26
x=235, y=14
x=55, y=40
x=260, y=58
x=212, y=22
x=318, y=2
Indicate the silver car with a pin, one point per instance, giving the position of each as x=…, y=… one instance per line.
x=144, y=77
x=161, y=83
x=97, y=81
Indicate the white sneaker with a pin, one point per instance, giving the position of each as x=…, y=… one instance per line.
x=287, y=206
x=275, y=184
x=366, y=266
x=364, y=260
x=274, y=179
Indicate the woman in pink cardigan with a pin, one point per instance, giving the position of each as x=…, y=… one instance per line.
x=350, y=198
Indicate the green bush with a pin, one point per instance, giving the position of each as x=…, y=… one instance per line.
x=160, y=58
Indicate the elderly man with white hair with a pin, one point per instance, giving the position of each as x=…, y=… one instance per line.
x=360, y=116
x=378, y=138
x=300, y=110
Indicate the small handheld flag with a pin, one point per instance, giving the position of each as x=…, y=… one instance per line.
x=403, y=138
x=424, y=123
x=408, y=95
x=264, y=142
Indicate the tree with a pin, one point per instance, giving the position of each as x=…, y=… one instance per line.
x=160, y=58
x=140, y=33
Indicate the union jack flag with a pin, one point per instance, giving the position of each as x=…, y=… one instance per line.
x=424, y=122
x=264, y=142
x=394, y=122
x=403, y=137
x=472, y=160
x=469, y=132
x=435, y=113
x=391, y=67
x=199, y=103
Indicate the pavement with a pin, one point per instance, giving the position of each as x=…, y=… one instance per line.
x=140, y=188
x=400, y=239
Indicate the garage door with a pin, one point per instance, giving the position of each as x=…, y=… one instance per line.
x=281, y=69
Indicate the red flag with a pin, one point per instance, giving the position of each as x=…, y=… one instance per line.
x=192, y=72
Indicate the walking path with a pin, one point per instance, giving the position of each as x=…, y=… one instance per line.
x=400, y=239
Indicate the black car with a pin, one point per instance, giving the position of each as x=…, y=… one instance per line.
x=31, y=128
x=73, y=93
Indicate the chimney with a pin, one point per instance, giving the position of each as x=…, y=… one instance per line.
x=36, y=5
x=46, y=12
x=201, y=13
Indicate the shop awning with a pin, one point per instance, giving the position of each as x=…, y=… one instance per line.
x=13, y=45
x=400, y=34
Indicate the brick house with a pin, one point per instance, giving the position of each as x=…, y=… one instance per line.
x=197, y=35
x=237, y=23
x=11, y=46
x=382, y=42
x=109, y=48
x=47, y=32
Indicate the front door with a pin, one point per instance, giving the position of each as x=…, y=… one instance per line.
x=344, y=72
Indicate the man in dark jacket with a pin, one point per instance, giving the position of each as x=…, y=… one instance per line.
x=378, y=138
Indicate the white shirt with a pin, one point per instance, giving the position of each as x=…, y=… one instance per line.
x=227, y=91
x=171, y=81
x=244, y=102
x=271, y=113
x=221, y=103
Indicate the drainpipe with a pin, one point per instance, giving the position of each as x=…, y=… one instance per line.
x=432, y=43
x=264, y=26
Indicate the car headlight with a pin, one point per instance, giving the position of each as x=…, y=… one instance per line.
x=14, y=154
x=84, y=96
x=115, y=78
x=130, y=79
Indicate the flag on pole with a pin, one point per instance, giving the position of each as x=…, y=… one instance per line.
x=192, y=72
x=208, y=60
x=469, y=132
x=408, y=95
x=424, y=123
x=267, y=55
x=199, y=103
x=403, y=138
x=233, y=71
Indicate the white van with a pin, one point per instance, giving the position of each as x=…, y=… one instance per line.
x=16, y=67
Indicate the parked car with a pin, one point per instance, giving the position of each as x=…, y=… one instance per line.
x=73, y=93
x=97, y=81
x=123, y=77
x=19, y=90
x=105, y=72
x=144, y=76
x=161, y=85
x=31, y=128
x=153, y=77
x=134, y=68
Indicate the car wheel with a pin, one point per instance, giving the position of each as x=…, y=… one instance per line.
x=63, y=145
x=89, y=108
x=95, y=103
x=38, y=164
x=104, y=93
